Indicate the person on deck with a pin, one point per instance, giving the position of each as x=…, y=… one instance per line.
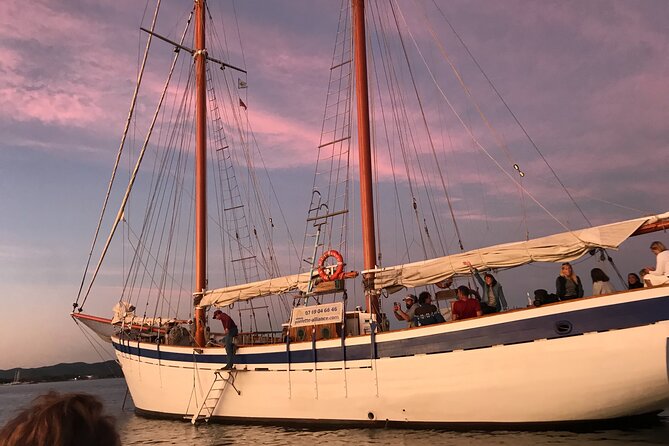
x=600, y=282
x=643, y=272
x=493, y=295
x=658, y=275
x=230, y=330
x=465, y=307
x=568, y=284
x=411, y=302
x=633, y=281
x=426, y=313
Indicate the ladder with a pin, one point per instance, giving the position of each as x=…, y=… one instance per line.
x=222, y=378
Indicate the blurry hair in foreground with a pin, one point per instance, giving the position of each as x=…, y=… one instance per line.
x=54, y=419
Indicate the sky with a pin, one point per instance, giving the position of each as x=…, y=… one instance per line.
x=586, y=78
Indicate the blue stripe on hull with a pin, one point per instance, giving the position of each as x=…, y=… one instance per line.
x=571, y=323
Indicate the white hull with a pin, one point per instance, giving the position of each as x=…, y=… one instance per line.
x=619, y=371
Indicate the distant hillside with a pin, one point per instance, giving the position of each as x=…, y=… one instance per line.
x=65, y=372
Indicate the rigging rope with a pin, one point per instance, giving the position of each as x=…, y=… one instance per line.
x=513, y=115
x=401, y=124
x=478, y=143
x=133, y=102
x=396, y=101
x=100, y=346
x=331, y=180
x=515, y=118
x=392, y=166
x=246, y=237
x=121, y=210
x=136, y=248
x=175, y=144
x=427, y=129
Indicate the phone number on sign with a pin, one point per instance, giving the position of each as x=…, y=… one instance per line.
x=320, y=311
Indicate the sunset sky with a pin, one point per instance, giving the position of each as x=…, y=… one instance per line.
x=588, y=79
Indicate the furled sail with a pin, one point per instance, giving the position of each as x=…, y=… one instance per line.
x=561, y=247
x=225, y=296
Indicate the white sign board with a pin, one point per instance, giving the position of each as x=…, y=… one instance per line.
x=317, y=314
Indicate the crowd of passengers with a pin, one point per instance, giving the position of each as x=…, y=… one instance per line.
x=568, y=286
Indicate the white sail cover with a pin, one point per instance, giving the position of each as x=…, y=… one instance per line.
x=555, y=248
x=277, y=285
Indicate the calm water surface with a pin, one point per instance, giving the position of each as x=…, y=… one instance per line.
x=136, y=430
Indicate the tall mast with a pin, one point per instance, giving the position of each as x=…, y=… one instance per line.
x=200, y=171
x=364, y=151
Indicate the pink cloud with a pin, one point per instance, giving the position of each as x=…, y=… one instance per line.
x=61, y=108
x=287, y=122
x=66, y=85
x=286, y=141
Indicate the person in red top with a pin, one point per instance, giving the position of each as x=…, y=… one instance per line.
x=465, y=307
x=230, y=330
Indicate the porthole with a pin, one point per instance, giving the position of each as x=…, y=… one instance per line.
x=563, y=327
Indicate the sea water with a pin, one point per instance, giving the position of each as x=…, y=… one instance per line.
x=135, y=430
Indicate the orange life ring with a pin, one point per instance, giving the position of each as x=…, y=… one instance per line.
x=321, y=265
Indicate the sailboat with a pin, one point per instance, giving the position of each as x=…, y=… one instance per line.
x=17, y=378
x=331, y=365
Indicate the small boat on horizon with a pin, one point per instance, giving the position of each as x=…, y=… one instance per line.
x=17, y=379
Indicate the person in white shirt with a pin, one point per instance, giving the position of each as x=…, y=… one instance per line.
x=658, y=275
x=600, y=282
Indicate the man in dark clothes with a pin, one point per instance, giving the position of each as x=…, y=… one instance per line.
x=427, y=314
x=230, y=329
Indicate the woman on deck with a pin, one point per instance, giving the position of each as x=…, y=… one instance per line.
x=493, y=296
x=600, y=282
x=633, y=281
x=658, y=275
x=568, y=284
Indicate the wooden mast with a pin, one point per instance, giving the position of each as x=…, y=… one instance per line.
x=200, y=56
x=364, y=151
